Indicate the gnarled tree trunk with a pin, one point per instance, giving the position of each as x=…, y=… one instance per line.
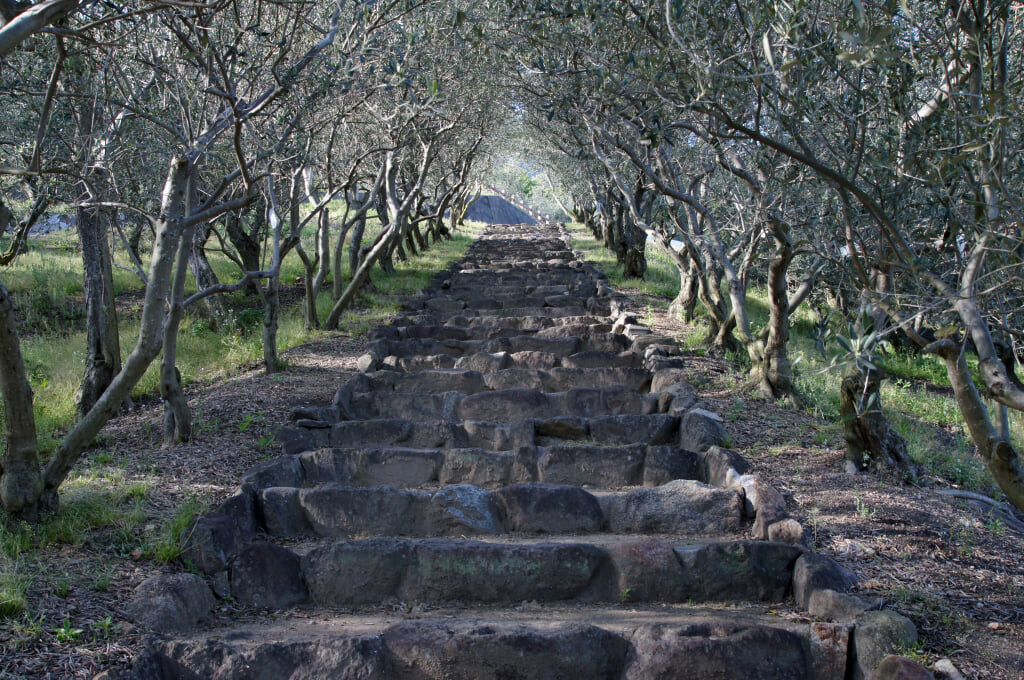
x=103, y=346
x=870, y=440
x=21, y=481
x=205, y=277
x=993, y=446
x=774, y=374
x=177, y=414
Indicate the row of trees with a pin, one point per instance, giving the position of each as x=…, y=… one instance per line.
x=864, y=153
x=231, y=126
x=857, y=153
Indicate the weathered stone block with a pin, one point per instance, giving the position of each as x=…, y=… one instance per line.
x=170, y=603
x=549, y=508
x=266, y=575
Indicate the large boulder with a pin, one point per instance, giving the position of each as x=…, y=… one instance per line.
x=218, y=536
x=170, y=603
x=356, y=572
x=666, y=463
x=717, y=650
x=282, y=512
x=643, y=570
x=813, y=572
x=347, y=658
x=679, y=507
x=443, y=570
x=346, y=511
x=460, y=509
x=607, y=467
x=740, y=570
x=700, y=430
x=876, y=635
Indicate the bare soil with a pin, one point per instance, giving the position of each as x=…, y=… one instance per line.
x=944, y=564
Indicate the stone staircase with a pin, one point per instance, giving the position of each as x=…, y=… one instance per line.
x=520, y=484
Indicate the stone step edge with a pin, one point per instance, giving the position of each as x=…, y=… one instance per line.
x=668, y=389
x=613, y=466
x=483, y=647
x=682, y=507
x=374, y=571
x=622, y=430
x=218, y=537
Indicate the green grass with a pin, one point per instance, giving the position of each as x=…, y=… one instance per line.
x=915, y=366
x=14, y=585
x=51, y=273
x=173, y=535
x=98, y=504
x=661, y=278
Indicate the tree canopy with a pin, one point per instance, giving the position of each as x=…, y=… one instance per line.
x=857, y=153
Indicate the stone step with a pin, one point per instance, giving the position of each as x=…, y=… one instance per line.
x=481, y=301
x=550, y=494
x=523, y=278
x=682, y=507
x=495, y=326
x=526, y=322
x=470, y=382
x=583, y=289
x=559, y=346
x=375, y=571
x=582, y=328
x=498, y=406
x=446, y=310
x=655, y=428
x=488, y=363
x=557, y=642
x=607, y=467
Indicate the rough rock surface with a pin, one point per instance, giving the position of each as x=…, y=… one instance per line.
x=170, y=603
x=521, y=482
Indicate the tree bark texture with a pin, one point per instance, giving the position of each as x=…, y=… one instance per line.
x=245, y=242
x=870, y=440
x=993, y=447
x=177, y=414
x=271, y=313
x=685, y=302
x=20, y=477
x=775, y=373
x=215, y=307
x=354, y=254
x=103, y=346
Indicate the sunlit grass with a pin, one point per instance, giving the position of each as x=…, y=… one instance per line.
x=172, y=539
x=55, y=360
x=661, y=278
x=94, y=498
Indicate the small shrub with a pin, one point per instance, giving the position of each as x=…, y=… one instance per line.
x=66, y=632
x=13, y=586
x=173, y=535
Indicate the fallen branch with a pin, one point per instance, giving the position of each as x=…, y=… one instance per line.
x=1003, y=508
